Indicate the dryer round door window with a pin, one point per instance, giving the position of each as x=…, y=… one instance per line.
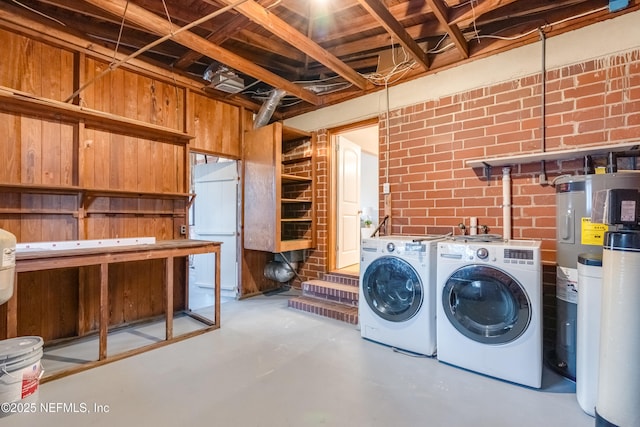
x=486, y=304
x=392, y=288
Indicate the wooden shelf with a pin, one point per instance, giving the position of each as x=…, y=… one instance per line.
x=100, y=192
x=294, y=245
x=281, y=216
x=23, y=103
x=294, y=179
x=291, y=134
x=23, y=211
x=297, y=160
x=295, y=201
x=138, y=213
x=95, y=192
x=550, y=155
x=41, y=189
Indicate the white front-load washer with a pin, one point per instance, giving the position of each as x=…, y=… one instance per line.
x=490, y=308
x=397, y=292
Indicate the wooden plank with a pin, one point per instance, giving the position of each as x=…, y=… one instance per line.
x=168, y=284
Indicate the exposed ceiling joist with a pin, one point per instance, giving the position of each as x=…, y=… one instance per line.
x=161, y=26
x=336, y=49
x=286, y=32
x=380, y=12
x=441, y=13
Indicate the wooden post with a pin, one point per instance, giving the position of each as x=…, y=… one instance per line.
x=104, y=310
x=168, y=282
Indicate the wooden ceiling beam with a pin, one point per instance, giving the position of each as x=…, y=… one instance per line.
x=379, y=11
x=286, y=32
x=402, y=11
x=160, y=26
x=441, y=13
x=218, y=36
x=474, y=9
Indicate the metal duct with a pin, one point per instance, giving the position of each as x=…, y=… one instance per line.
x=268, y=108
x=279, y=271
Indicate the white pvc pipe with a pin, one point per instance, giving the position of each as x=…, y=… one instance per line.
x=473, y=226
x=506, y=203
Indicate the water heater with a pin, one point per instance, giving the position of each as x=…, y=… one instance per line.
x=576, y=234
x=7, y=265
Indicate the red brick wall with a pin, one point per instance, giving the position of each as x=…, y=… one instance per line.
x=316, y=264
x=433, y=190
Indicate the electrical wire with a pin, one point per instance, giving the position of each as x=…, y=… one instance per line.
x=162, y=39
x=39, y=13
x=120, y=31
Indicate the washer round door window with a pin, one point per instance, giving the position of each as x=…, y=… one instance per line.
x=392, y=288
x=486, y=304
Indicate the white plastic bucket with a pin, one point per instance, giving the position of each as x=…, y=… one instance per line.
x=20, y=368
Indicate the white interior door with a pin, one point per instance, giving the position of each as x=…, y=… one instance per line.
x=215, y=219
x=348, y=211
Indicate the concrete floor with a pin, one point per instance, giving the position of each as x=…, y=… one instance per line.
x=269, y=365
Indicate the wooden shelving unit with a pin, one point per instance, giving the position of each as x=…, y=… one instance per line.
x=23, y=103
x=279, y=189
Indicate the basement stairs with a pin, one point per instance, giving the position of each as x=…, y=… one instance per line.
x=335, y=296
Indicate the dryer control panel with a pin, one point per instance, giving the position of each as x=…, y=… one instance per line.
x=521, y=253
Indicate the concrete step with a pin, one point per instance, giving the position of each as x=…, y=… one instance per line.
x=325, y=308
x=334, y=292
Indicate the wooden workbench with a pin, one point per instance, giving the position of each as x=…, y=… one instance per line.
x=37, y=260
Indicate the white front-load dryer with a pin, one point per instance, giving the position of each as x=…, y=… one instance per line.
x=397, y=292
x=490, y=308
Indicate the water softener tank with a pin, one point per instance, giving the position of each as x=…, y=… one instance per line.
x=619, y=370
x=7, y=264
x=575, y=235
x=588, y=327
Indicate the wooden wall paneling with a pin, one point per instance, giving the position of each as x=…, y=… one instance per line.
x=10, y=149
x=29, y=66
x=86, y=157
x=30, y=301
x=100, y=168
x=48, y=302
x=180, y=274
x=117, y=162
x=3, y=321
x=215, y=126
x=168, y=176
x=11, y=48
x=31, y=230
x=129, y=168
x=31, y=141
x=173, y=106
x=117, y=293
x=88, y=299
x=153, y=167
x=60, y=292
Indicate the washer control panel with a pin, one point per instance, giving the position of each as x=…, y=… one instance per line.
x=521, y=253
